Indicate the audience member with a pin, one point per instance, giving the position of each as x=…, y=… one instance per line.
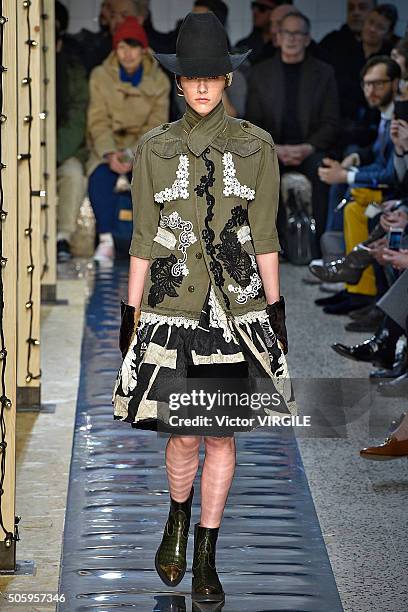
x=294, y=97
x=121, y=9
x=260, y=35
x=129, y=95
x=400, y=54
x=96, y=46
x=71, y=104
x=368, y=173
x=347, y=50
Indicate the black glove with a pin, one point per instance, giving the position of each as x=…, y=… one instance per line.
x=276, y=314
x=129, y=320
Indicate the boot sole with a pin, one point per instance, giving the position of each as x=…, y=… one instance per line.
x=214, y=598
x=163, y=576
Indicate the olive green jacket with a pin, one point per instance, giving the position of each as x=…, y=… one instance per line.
x=205, y=197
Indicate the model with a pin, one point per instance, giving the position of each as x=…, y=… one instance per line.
x=203, y=295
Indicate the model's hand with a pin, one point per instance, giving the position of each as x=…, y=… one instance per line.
x=398, y=259
x=277, y=319
x=333, y=172
x=116, y=165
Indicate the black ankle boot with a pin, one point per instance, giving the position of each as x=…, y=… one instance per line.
x=206, y=584
x=170, y=559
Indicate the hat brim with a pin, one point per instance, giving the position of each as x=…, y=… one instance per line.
x=203, y=67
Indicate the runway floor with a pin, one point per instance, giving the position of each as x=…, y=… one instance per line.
x=271, y=554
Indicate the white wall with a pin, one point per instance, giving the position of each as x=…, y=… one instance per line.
x=325, y=15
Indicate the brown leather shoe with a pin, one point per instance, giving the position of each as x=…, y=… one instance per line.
x=391, y=448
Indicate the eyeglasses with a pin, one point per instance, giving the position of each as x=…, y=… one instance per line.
x=298, y=34
x=379, y=84
x=262, y=8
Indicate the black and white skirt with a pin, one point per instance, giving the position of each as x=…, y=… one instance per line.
x=168, y=354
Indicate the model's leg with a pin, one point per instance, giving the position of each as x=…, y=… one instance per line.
x=182, y=457
x=216, y=479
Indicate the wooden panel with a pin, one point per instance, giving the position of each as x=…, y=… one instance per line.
x=29, y=184
x=8, y=153
x=48, y=148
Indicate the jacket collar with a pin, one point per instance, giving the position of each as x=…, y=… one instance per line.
x=205, y=131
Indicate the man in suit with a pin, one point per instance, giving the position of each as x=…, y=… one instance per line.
x=294, y=97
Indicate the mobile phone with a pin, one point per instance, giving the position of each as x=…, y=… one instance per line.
x=401, y=109
x=394, y=238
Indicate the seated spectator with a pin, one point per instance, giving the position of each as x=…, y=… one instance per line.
x=260, y=35
x=96, y=46
x=71, y=104
x=294, y=97
x=128, y=97
x=347, y=50
x=400, y=55
x=369, y=174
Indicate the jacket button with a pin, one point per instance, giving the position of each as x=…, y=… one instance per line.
x=165, y=126
x=199, y=255
x=191, y=288
x=245, y=124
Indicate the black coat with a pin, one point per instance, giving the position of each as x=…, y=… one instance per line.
x=318, y=105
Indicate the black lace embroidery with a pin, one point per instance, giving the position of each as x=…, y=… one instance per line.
x=208, y=235
x=164, y=282
x=236, y=260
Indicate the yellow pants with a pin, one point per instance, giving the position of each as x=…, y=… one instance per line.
x=356, y=230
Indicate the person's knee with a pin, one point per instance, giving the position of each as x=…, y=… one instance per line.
x=186, y=443
x=223, y=445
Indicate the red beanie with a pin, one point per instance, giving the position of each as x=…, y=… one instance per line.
x=130, y=28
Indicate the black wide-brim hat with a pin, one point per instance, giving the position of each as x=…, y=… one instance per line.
x=201, y=49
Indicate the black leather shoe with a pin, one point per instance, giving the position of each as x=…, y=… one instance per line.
x=360, y=313
x=399, y=367
x=375, y=350
x=206, y=586
x=170, y=559
x=369, y=323
x=333, y=299
x=353, y=301
x=336, y=272
x=394, y=388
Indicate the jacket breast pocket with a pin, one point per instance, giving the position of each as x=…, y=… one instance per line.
x=239, y=163
x=171, y=175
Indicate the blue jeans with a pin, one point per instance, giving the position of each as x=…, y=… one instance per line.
x=103, y=198
x=335, y=220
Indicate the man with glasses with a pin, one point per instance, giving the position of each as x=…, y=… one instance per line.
x=260, y=36
x=293, y=96
x=363, y=177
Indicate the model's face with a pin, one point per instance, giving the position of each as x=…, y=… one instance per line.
x=129, y=57
x=203, y=93
x=357, y=11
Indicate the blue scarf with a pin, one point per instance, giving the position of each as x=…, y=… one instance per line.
x=134, y=78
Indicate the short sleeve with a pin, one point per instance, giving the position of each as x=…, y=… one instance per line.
x=263, y=210
x=145, y=210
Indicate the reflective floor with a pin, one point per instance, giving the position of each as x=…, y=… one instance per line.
x=271, y=553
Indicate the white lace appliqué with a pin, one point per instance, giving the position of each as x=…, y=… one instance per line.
x=232, y=186
x=186, y=238
x=179, y=188
x=218, y=318
x=244, y=234
x=251, y=290
x=152, y=317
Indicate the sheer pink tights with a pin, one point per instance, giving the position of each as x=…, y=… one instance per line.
x=182, y=459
